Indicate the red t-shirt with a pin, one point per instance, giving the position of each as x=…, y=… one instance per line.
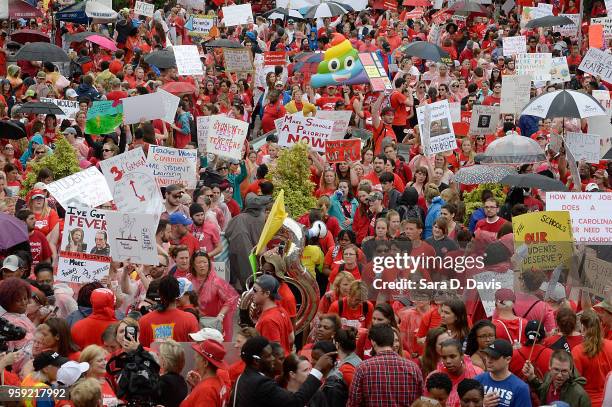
x=328, y=102
x=493, y=227
x=191, y=242
x=211, y=391
x=287, y=300
x=380, y=133
x=336, y=269
x=116, y=95
x=352, y=316
x=275, y=324
x=173, y=323
x=397, y=181
x=398, y=103
x=39, y=246
x=431, y=320
x=47, y=223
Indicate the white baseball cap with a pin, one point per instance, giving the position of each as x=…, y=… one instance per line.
x=70, y=372
x=207, y=333
x=591, y=187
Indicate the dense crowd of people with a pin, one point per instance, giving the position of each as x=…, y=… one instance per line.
x=179, y=322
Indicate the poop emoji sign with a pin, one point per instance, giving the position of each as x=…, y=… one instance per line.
x=340, y=65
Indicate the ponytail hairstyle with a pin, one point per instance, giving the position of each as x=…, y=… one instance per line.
x=593, y=336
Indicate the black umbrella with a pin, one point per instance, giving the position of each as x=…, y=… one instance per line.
x=549, y=21
x=223, y=43
x=40, y=108
x=163, y=59
x=425, y=50
x=11, y=130
x=468, y=7
x=534, y=181
x=82, y=36
x=608, y=155
x=41, y=51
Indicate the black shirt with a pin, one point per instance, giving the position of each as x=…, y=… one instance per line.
x=173, y=390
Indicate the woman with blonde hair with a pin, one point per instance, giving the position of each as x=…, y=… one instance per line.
x=340, y=289
x=593, y=357
x=299, y=104
x=328, y=184
x=96, y=357
x=86, y=393
x=173, y=388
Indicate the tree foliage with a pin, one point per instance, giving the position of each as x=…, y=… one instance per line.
x=292, y=173
x=472, y=199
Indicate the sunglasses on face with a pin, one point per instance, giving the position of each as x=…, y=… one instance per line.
x=106, y=150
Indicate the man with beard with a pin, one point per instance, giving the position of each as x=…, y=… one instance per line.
x=179, y=226
x=206, y=232
x=379, y=167
x=39, y=246
x=62, y=293
x=162, y=236
x=256, y=387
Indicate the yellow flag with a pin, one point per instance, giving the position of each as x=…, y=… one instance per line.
x=273, y=223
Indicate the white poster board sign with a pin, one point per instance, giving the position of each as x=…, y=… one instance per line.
x=202, y=126
x=607, y=25
x=515, y=93
x=314, y=131
x=559, y=71
x=226, y=136
x=237, y=15
x=69, y=107
x=487, y=296
x=598, y=63
x=439, y=136
x=589, y=212
x=602, y=125
x=188, y=62
x=132, y=183
x=536, y=65
x=159, y=105
x=84, y=252
x=144, y=9
x=132, y=237
x=583, y=146
x=514, y=45
x=568, y=30
x=341, y=119
x=173, y=166
x=484, y=120
x=86, y=188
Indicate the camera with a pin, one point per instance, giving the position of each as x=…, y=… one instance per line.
x=9, y=332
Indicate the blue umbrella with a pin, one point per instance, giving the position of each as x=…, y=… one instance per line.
x=14, y=231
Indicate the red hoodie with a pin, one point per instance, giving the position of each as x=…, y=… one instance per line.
x=89, y=331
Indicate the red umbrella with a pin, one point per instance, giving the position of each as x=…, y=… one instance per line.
x=21, y=9
x=179, y=88
x=27, y=35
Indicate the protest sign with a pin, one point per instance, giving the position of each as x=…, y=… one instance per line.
x=455, y=111
x=84, y=253
x=375, y=71
x=596, y=36
x=237, y=15
x=602, y=125
x=584, y=146
x=514, y=45
x=598, y=276
x=598, y=63
x=144, y=9
x=84, y=188
x=439, y=135
x=559, y=71
x=173, y=166
x=188, y=61
x=487, y=295
x=484, y=120
x=199, y=25
x=531, y=13
x=131, y=237
x=314, y=131
x=508, y=5
x=275, y=58
x=132, y=183
x=607, y=25
x=104, y=116
x=515, y=93
x=548, y=236
x=202, y=126
x=238, y=60
x=226, y=136
x=339, y=151
x=69, y=107
x=536, y=65
x=568, y=30
x=608, y=7
x=590, y=214
x=341, y=120
x=159, y=105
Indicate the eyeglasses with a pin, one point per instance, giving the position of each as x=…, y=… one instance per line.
x=161, y=265
x=177, y=195
x=40, y=152
x=454, y=86
x=556, y=371
x=223, y=169
x=480, y=138
x=209, y=196
x=490, y=207
x=106, y=150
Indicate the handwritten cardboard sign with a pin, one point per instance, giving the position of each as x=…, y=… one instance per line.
x=338, y=151
x=238, y=60
x=275, y=58
x=188, y=60
x=584, y=146
x=85, y=188
x=226, y=136
x=314, y=131
x=173, y=166
x=144, y=9
x=132, y=237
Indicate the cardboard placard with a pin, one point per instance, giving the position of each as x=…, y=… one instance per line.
x=484, y=120
x=188, y=62
x=238, y=60
x=375, y=71
x=514, y=45
x=237, y=15
x=559, y=71
x=596, y=36
x=202, y=126
x=589, y=212
x=598, y=275
x=598, y=63
x=314, y=131
x=548, y=236
x=515, y=93
x=602, y=125
x=132, y=183
x=536, y=65
x=584, y=146
x=84, y=253
x=159, y=105
x=531, y=13
x=487, y=295
x=85, y=188
x=437, y=134
x=339, y=151
x=132, y=237
x=199, y=25
x=607, y=25
x=341, y=119
x=144, y=9
x=226, y=136
x=275, y=58
x=173, y=166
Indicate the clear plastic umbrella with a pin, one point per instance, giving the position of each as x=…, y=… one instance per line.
x=512, y=149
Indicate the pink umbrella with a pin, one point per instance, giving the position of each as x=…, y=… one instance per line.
x=103, y=42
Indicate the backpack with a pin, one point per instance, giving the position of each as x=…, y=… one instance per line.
x=75, y=70
x=137, y=375
x=410, y=212
x=333, y=393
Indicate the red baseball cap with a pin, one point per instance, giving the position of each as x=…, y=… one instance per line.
x=212, y=351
